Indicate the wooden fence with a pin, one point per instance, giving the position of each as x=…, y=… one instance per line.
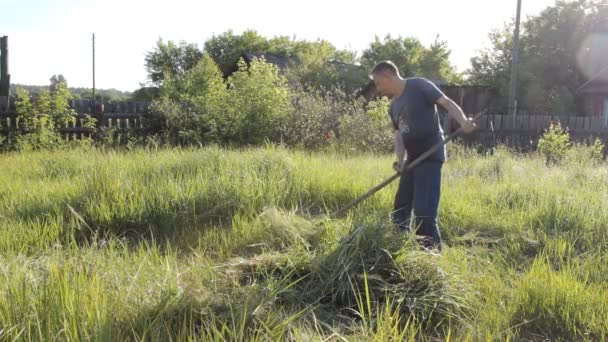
x=578, y=124
x=521, y=132
x=124, y=116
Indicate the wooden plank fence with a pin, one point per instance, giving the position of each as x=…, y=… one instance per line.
x=492, y=128
x=124, y=116
x=538, y=124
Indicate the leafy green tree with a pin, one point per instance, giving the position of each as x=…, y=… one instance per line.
x=556, y=57
x=146, y=94
x=171, y=59
x=492, y=67
x=311, y=61
x=55, y=80
x=324, y=68
x=226, y=48
x=412, y=57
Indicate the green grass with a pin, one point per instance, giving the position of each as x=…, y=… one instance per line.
x=213, y=244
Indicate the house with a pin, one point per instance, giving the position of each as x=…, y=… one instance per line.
x=593, y=96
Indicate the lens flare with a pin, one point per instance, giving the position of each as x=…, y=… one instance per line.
x=592, y=57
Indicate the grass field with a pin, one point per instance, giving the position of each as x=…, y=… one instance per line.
x=209, y=244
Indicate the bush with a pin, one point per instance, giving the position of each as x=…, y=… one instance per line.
x=190, y=108
x=258, y=100
x=582, y=153
x=198, y=108
x=178, y=123
x=554, y=144
x=367, y=130
x=313, y=120
x=37, y=124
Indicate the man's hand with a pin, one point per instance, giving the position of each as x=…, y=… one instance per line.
x=398, y=166
x=468, y=125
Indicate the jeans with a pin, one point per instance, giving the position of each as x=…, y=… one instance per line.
x=419, y=190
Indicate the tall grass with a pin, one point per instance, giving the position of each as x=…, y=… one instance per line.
x=214, y=244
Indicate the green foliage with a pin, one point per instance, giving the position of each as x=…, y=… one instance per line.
x=145, y=94
x=586, y=153
x=177, y=124
x=258, y=100
x=313, y=121
x=227, y=48
x=334, y=76
x=171, y=59
x=56, y=80
x=38, y=122
x=413, y=58
x=109, y=95
x=199, y=109
x=368, y=130
x=557, y=55
x=191, y=109
x=597, y=150
x=554, y=144
x=59, y=105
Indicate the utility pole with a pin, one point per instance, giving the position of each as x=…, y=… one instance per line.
x=515, y=65
x=94, y=101
x=5, y=77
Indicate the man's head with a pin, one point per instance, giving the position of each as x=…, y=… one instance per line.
x=387, y=79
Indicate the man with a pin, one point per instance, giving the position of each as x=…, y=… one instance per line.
x=415, y=120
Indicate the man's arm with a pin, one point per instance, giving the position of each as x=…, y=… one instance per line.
x=399, y=150
x=456, y=112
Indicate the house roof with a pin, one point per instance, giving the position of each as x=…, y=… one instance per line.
x=596, y=83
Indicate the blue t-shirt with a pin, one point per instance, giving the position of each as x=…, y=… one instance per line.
x=415, y=115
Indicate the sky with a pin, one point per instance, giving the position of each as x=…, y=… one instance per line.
x=54, y=37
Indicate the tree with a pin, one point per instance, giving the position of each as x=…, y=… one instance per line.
x=171, y=59
x=315, y=63
x=492, y=67
x=555, y=58
x=145, y=94
x=226, y=48
x=55, y=80
x=325, y=68
x=412, y=57
x=435, y=63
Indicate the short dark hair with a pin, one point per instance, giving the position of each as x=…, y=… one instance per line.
x=384, y=67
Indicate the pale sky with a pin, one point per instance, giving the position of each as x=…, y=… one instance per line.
x=54, y=37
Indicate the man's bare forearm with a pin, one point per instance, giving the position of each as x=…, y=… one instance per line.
x=399, y=148
x=467, y=124
x=455, y=112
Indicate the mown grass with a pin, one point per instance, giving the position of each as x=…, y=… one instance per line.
x=214, y=244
